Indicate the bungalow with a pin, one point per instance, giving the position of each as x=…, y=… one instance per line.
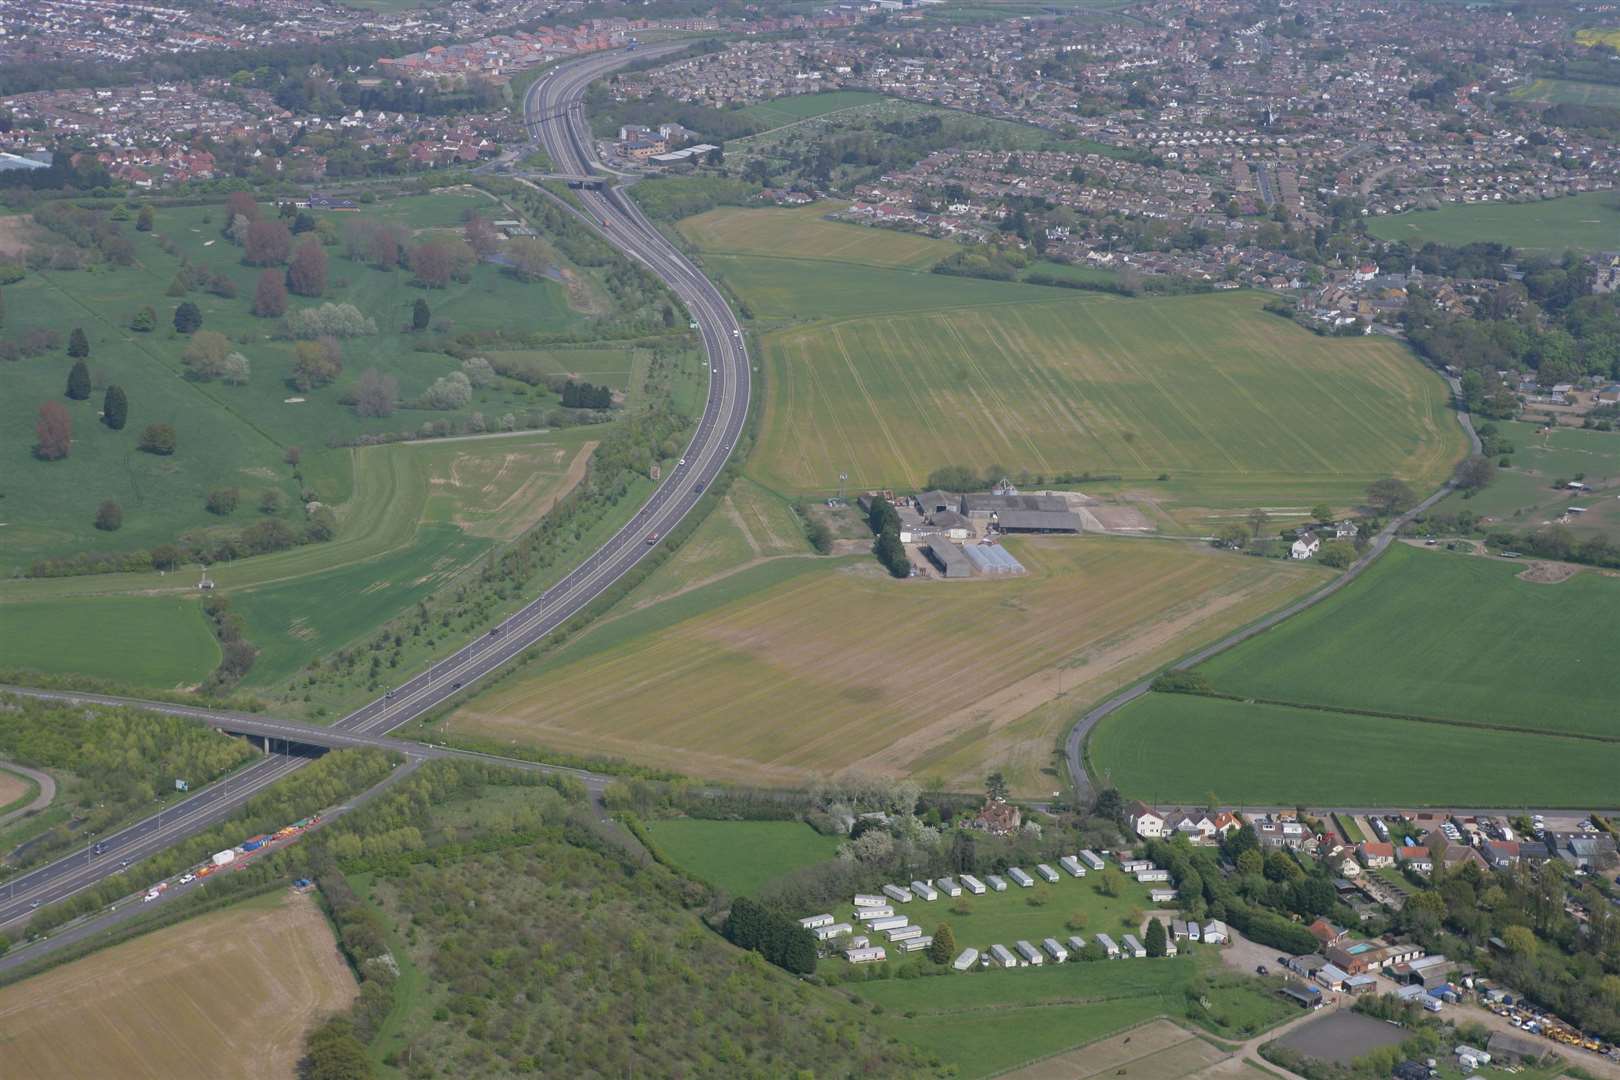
x=1303, y=548
x=1416, y=859
x=1375, y=854
x=1145, y=821
x=1215, y=932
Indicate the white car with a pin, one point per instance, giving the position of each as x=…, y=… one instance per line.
x=716, y=370
x=188, y=879
x=683, y=461
x=149, y=897
x=694, y=326
x=736, y=333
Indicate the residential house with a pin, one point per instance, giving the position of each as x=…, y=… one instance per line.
x=998, y=817
x=1416, y=858
x=1145, y=821
x=1307, y=545
x=1375, y=854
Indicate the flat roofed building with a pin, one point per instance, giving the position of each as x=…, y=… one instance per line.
x=949, y=558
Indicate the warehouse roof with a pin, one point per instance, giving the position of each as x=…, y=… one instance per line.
x=1040, y=520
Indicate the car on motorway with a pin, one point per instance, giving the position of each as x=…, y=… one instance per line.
x=681, y=462
x=697, y=488
x=188, y=879
x=694, y=325
x=652, y=538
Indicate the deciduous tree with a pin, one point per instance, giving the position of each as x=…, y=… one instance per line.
x=316, y=363
x=145, y=219
x=144, y=321
x=53, y=432
x=377, y=394
x=205, y=354
x=270, y=296
x=158, y=439
x=267, y=243
x=109, y=516
x=1390, y=496
x=222, y=501
x=306, y=274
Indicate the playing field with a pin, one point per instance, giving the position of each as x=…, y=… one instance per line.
x=1570, y=92
x=1444, y=635
x=1171, y=748
x=803, y=233
x=161, y=641
x=1206, y=388
x=794, y=668
x=788, y=110
x=226, y=994
x=1584, y=222
x=740, y=856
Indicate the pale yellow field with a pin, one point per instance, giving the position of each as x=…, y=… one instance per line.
x=226, y=995
x=1156, y=1051
x=840, y=667
x=803, y=234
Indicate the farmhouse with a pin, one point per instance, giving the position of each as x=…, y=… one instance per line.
x=1307, y=545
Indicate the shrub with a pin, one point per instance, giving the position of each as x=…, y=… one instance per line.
x=158, y=439
x=109, y=516
x=53, y=431
x=222, y=501
x=330, y=320
x=452, y=391
x=187, y=318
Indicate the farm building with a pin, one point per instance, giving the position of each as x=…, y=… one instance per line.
x=924, y=890
x=1162, y=896
x=1133, y=948
x=870, y=913
x=1036, y=521
x=867, y=900
x=949, y=887
x=1020, y=878
x=1056, y=951
x=1047, y=872
x=814, y=921
x=949, y=558
x=888, y=922
x=992, y=560
x=1001, y=956
x=898, y=894
x=832, y=930
x=1029, y=953
x=916, y=944
x=865, y=955
x=1108, y=946
x=1072, y=865
x=997, y=884
x=981, y=507
x=1092, y=859
x=968, y=958
x=974, y=885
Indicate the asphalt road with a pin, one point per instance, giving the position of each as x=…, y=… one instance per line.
x=42, y=798
x=1074, y=745
x=554, y=111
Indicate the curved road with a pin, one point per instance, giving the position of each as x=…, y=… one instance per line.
x=554, y=114
x=47, y=791
x=1074, y=745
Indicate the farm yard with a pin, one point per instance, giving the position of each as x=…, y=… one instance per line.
x=239, y=986
x=893, y=372
x=1549, y=227
x=766, y=674
x=1419, y=636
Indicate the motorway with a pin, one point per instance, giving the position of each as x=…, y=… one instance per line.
x=555, y=117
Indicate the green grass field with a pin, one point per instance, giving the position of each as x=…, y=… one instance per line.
x=1178, y=748
x=1522, y=497
x=767, y=674
x=1442, y=635
x=227, y=435
x=1206, y=388
x=740, y=856
x=114, y=637
x=1570, y=92
x=788, y=110
x=1586, y=222
x=895, y=371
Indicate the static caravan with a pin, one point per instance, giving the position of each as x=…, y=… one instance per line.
x=1162, y=896
x=897, y=894
x=1215, y=932
x=1170, y=947
x=1092, y=859
x=916, y=944
x=1151, y=877
x=997, y=884
x=868, y=914
x=1108, y=946
x=902, y=933
x=832, y=930
x=1022, y=879
x=888, y=922
x=1192, y=929
x=974, y=885
x=948, y=886
x=968, y=958
x=1057, y=952
x=1072, y=865
x=869, y=954
x=867, y=900
x=1001, y=956
x=924, y=890
x=1076, y=943
x=1135, y=866
x=1047, y=872
x=1133, y=947
x=1029, y=953
x=816, y=920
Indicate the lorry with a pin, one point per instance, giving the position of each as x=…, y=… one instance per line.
x=221, y=858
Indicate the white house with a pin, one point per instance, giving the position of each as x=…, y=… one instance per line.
x=1305, y=546
x=1145, y=821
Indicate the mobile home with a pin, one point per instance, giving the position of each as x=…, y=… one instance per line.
x=1057, y=952
x=832, y=930
x=1092, y=859
x=867, y=955
x=902, y=933
x=924, y=890
x=867, y=900
x=1162, y=896
x=948, y=886
x=1047, y=872
x=1152, y=877
x=974, y=885
x=1133, y=947
x=1020, y=878
x=1001, y=956
x=1135, y=866
x=868, y=914
x=997, y=883
x=1072, y=865
x=1029, y=953
x=816, y=920
x=968, y=958
x=1076, y=942
x=916, y=944
x=1108, y=946
x=888, y=922
x=897, y=894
